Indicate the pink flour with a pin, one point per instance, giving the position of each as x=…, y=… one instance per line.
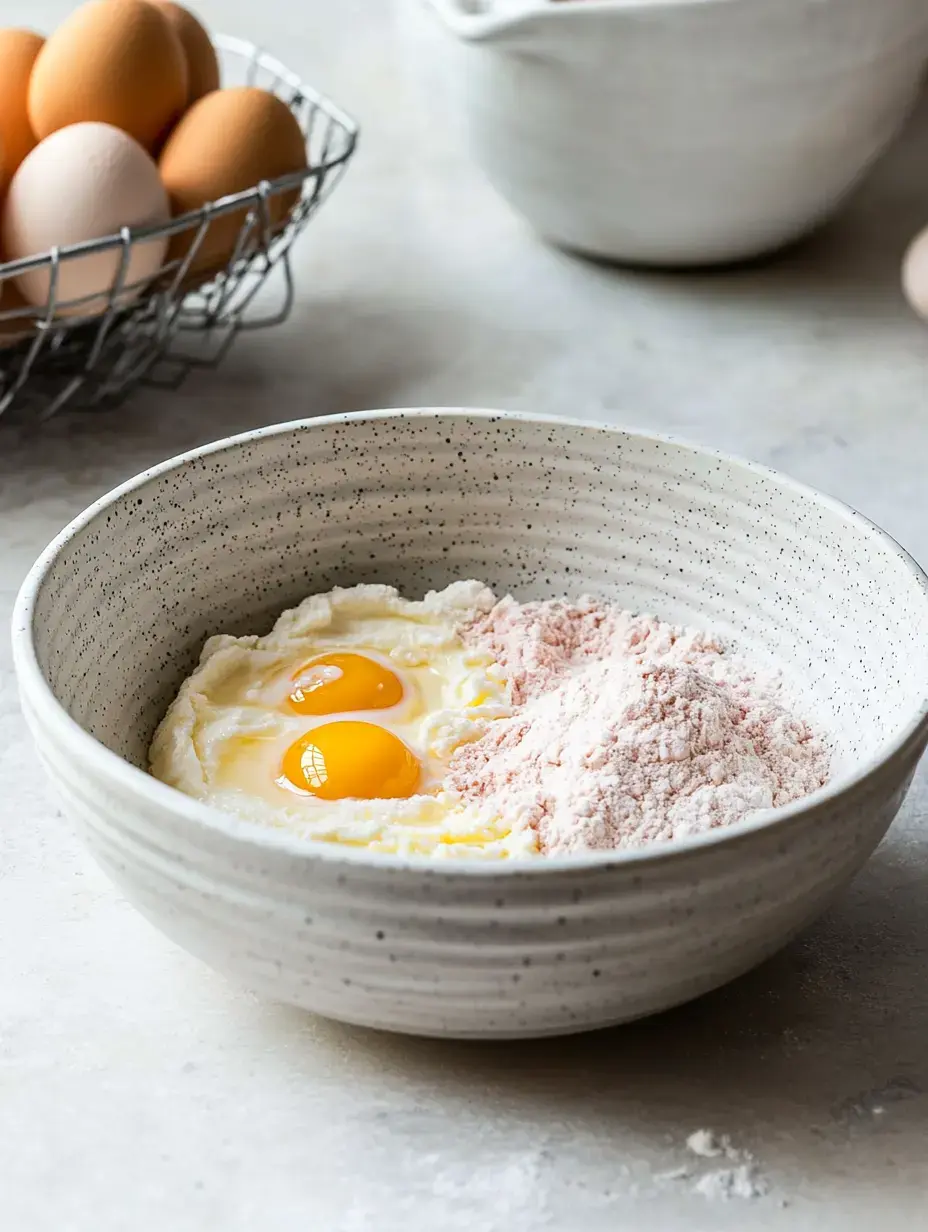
x=628, y=731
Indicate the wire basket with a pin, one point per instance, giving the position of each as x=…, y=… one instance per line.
x=89, y=354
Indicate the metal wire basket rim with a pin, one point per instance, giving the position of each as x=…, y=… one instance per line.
x=231, y=203
x=242, y=47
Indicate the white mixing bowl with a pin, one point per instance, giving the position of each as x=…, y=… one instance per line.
x=112, y=617
x=671, y=132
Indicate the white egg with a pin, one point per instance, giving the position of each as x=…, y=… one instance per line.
x=915, y=274
x=82, y=183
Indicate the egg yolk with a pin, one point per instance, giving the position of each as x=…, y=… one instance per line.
x=352, y=760
x=336, y=683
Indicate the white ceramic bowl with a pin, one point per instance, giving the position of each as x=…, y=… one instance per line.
x=672, y=132
x=113, y=615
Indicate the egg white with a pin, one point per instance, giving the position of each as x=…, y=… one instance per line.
x=223, y=739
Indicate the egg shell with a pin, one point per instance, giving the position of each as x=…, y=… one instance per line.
x=18, y=52
x=18, y=327
x=202, y=62
x=117, y=62
x=82, y=183
x=915, y=274
x=229, y=142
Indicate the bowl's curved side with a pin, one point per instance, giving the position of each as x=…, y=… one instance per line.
x=433, y=950
x=221, y=540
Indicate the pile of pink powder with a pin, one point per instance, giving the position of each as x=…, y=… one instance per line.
x=628, y=731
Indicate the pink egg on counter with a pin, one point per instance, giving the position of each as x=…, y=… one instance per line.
x=915, y=274
x=84, y=182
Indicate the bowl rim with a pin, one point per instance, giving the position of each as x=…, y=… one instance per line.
x=480, y=25
x=112, y=768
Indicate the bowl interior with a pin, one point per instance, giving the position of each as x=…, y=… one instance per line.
x=224, y=539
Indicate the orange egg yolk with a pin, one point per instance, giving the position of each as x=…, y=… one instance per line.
x=352, y=760
x=336, y=683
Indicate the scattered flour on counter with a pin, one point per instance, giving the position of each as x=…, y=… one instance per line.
x=741, y=1180
x=673, y=1174
x=628, y=730
x=704, y=1143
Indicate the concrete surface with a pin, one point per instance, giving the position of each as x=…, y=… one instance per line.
x=138, y=1091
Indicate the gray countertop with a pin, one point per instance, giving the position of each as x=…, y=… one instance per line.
x=140, y=1091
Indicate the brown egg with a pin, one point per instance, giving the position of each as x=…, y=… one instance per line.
x=18, y=50
x=14, y=329
x=228, y=142
x=202, y=63
x=118, y=62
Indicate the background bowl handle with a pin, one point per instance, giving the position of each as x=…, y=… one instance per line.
x=473, y=27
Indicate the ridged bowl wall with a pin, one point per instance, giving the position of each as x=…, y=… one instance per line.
x=113, y=616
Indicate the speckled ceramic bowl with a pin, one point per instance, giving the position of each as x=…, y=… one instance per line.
x=113, y=615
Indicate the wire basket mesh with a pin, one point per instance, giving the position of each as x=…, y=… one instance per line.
x=93, y=352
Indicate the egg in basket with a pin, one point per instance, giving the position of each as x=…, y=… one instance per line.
x=150, y=181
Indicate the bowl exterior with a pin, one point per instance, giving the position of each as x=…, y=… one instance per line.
x=115, y=613
x=436, y=951
x=676, y=133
